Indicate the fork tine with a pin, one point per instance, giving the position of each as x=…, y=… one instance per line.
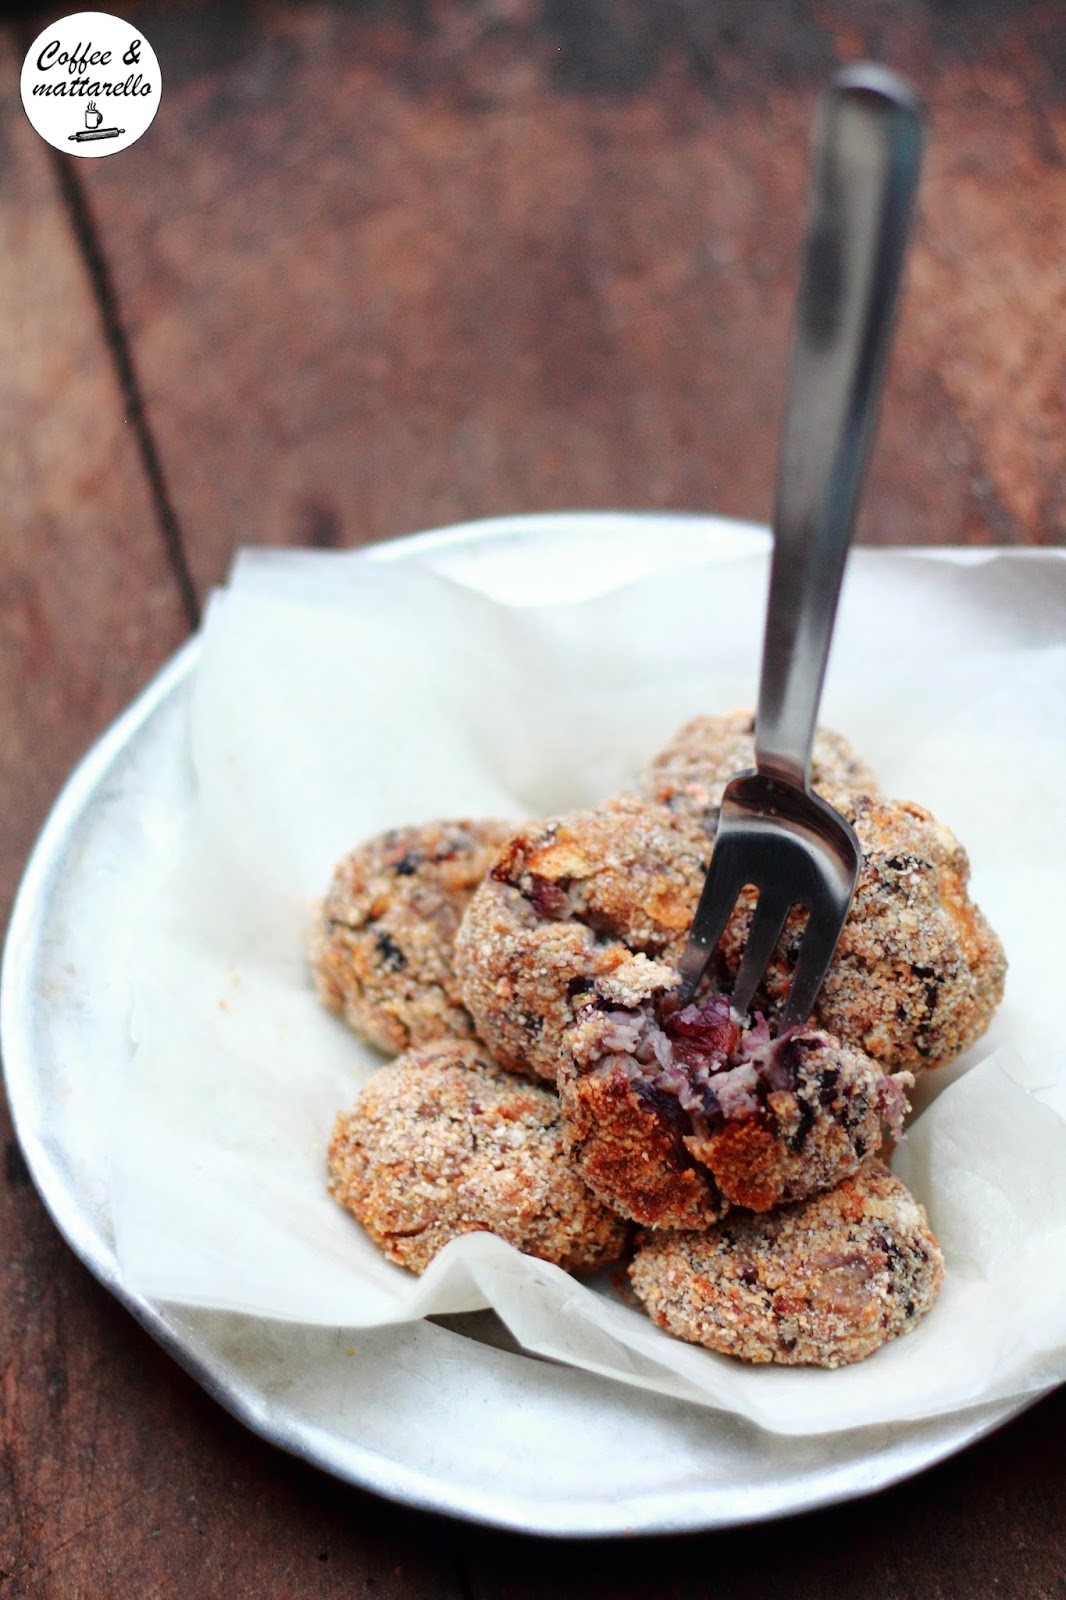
x=766, y=925
x=815, y=953
x=723, y=883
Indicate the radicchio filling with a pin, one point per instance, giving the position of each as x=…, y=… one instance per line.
x=716, y=1071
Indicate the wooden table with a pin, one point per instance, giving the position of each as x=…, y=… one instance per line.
x=380, y=267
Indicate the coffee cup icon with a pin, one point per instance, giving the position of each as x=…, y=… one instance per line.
x=92, y=129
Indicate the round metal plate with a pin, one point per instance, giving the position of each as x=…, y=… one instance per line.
x=446, y=1415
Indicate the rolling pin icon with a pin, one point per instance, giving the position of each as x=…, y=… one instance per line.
x=92, y=129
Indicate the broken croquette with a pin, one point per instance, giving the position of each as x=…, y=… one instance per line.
x=675, y=1114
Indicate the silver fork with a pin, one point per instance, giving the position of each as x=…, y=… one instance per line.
x=773, y=833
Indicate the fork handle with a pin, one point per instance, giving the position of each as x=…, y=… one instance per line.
x=866, y=160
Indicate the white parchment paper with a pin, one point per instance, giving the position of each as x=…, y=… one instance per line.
x=338, y=695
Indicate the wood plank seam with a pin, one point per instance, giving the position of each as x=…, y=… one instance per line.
x=91, y=248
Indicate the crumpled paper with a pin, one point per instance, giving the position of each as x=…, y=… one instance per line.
x=339, y=694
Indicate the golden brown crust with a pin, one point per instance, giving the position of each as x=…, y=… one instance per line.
x=918, y=971
x=442, y=1143
x=382, y=946
x=631, y=1152
x=568, y=900
x=822, y=1283
x=690, y=773
x=744, y=1158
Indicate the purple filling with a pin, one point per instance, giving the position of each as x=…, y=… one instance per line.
x=716, y=1071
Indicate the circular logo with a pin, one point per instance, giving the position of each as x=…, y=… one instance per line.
x=90, y=84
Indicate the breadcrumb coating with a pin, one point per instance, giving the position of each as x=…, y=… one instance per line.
x=822, y=1283
x=442, y=1142
x=550, y=950
x=691, y=772
x=675, y=1114
x=918, y=971
x=382, y=946
x=567, y=901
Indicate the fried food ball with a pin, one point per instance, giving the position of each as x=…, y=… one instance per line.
x=691, y=772
x=568, y=900
x=442, y=1142
x=381, y=951
x=818, y=1284
x=918, y=971
x=676, y=1114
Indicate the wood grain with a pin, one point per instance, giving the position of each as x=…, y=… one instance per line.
x=86, y=612
x=86, y=604
x=388, y=267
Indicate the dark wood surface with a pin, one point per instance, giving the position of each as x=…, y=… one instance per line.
x=383, y=266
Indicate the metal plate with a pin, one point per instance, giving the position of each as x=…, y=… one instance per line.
x=444, y=1415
